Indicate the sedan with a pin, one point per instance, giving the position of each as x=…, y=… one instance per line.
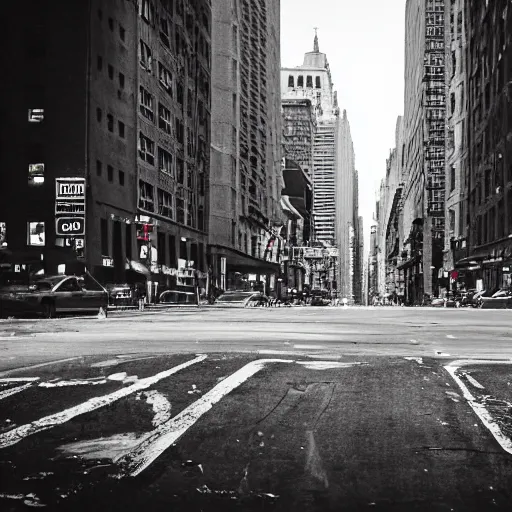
x=53, y=295
x=242, y=300
x=502, y=299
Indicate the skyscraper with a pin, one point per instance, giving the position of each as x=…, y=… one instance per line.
x=246, y=175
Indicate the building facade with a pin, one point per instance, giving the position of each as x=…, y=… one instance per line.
x=488, y=90
x=246, y=164
x=112, y=141
x=424, y=150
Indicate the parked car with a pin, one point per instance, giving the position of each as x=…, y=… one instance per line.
x=242, y=300
x=319, y=301
x=502, y=299
x=476, y=301
x=51, y=295
x=178, y=298
x=446, y=302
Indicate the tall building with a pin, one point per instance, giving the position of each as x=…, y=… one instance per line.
x=423, y=149
x=101, y=139
x=313, y=80
x=488, y=92
x=246, y=174
x=333, y=174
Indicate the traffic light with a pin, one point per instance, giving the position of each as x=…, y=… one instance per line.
x=143, y=232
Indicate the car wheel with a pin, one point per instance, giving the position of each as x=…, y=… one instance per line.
x=48, y=308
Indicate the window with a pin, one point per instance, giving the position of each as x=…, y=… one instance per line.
x=98, y=115
x=70, y=285
x=35, y=115
x=146, y=103
x=180, y=131
x=111, y=72
x=452, y=178
x=120, y=127
x=165, y=78
x=165, y=204
x=128, y=241
x=180, y=170
x=147, y=11
x=300, y=81
x=99, y=62
x=145, y=56
x=200, y=218
x=164, y=118
x=180, y=211
x=291, y=81
x=104, y=237
x=35, y=233
x=3, y=234
x=35, y=174
x=165, y=161
x=121, y=80
x=111, y=24
x=146, y=196
x=122, y=33
x=146, y=149
x=121, y=178
x=318, y=84
x=189, y=103
x=179, y=93
x=99, y=168
x=309, y=81
x=164, y=32
x=110, y=173
x=110, y=122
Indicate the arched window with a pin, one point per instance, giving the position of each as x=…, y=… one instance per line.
x=291, y=81
x=309, y=81
x=317, y=84
x=300, y=81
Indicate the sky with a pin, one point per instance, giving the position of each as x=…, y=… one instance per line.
x=364, y=43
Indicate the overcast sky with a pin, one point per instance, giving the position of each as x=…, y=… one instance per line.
x=364, y=43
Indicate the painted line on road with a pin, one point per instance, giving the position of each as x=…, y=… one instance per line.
x=160, y=439
x=311, y=347
x=40, y=365
x=327, y=365
x=19, y=379
x=18, y=434
x=14, y=391
x=480, y=410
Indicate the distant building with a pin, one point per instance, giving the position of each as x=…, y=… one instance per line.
x=423, y=149
x=246, y=175
x=105, y=131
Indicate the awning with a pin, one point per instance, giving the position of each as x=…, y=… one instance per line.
x=472, y=260
x=286, y=205
x=239, y=262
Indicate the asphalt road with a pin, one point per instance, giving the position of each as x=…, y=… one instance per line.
x=290, y=409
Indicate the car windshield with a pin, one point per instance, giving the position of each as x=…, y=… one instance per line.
x=234, y=297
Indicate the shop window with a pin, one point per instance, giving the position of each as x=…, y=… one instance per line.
x=128, y=240
x=161, y=248
x=3, y=234
x=35, y=115
x=35, y=174
x=173, y=261
x=36, y=233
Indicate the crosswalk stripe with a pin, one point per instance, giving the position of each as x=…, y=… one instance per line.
x=160, y=439
x=14, y=436
x=14, y=391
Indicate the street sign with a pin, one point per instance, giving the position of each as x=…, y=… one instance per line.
x=70, y=226
x=70, y=188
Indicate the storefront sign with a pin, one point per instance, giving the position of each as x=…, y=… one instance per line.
x=70, y=188
x=108, y=262
x=506, y=269
x=69, y=226
x=70, y=208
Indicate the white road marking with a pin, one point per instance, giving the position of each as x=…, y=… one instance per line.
x=119, y=360
x=326, y=365
x=473, y=381
x=16, y=435
x=19, y=379
x=311, y=347
x=73, y=382
x=479, y=409
x=14, y=391
x=160, y=439
x=442, y=354
x=451, y=336
x=161, y=406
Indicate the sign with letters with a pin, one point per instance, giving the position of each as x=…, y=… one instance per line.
x=70, y=226
x=69, y=188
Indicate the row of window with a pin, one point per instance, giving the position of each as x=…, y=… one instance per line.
x=110, y=70
x=110, y=123
x=110, y=173
x=122, y=31
x=309, y=81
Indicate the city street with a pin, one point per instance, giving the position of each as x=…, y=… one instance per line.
x=258, y=409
